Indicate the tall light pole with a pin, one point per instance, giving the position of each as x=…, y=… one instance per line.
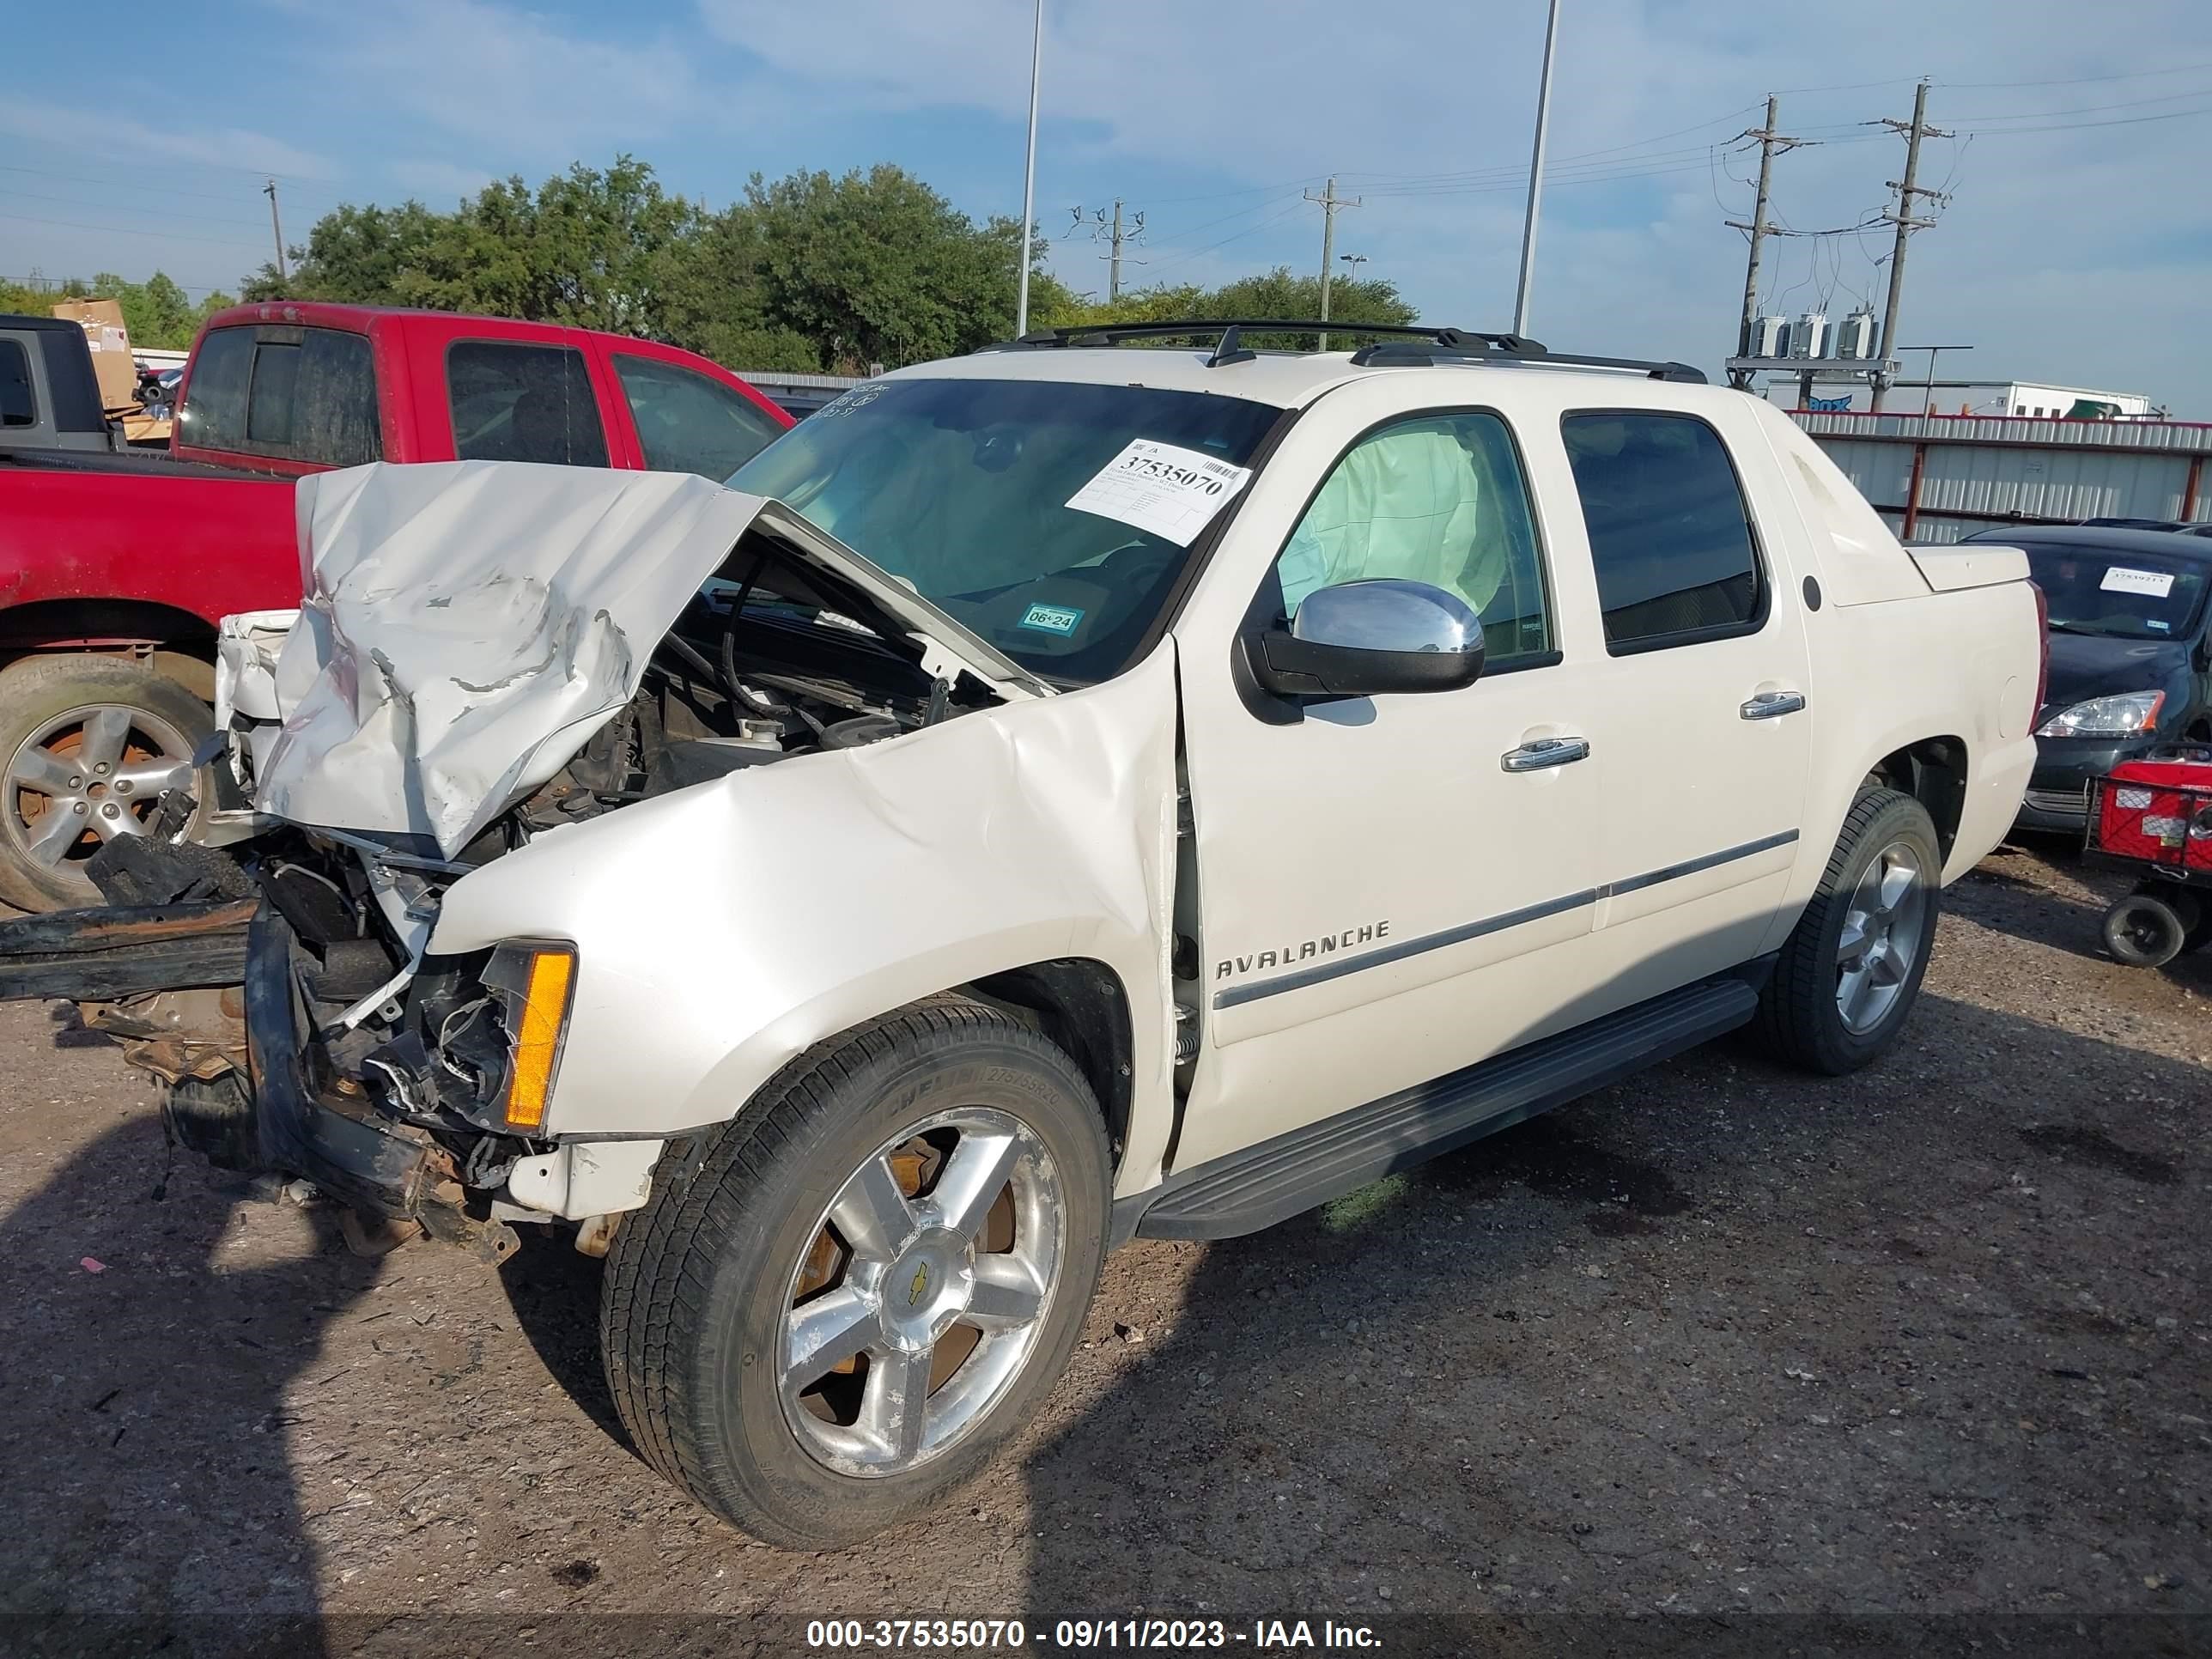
x=1355, y=260
x=1029, y=175
x=1537, y=175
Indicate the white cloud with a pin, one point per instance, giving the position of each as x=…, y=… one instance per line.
x=186, y=142
x=502, y=85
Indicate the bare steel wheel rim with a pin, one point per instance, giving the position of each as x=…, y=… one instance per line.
x=87, y=776
x=921, y=1293
x=1884, y=927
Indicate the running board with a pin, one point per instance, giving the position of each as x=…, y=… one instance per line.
x=1246, y=1191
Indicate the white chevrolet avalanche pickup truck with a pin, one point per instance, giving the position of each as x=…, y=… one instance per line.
x=1083, y=790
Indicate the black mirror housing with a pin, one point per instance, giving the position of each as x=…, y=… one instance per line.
x=1291, y=667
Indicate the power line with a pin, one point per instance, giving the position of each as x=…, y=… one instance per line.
x=123, y=230
x=72, y=201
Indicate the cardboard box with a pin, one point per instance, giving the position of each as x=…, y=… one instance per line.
x=112, y=363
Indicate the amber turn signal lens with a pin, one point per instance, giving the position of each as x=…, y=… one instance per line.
x=538, y=1043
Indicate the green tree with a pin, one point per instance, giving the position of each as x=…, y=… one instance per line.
x=1277, y=293
x=157, y=312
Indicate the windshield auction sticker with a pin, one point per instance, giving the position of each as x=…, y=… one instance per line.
x=2121, y=579
x=1161, y=488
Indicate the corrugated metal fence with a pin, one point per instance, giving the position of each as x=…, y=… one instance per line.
x=1937, y=477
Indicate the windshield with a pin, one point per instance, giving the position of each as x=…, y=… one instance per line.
x=966, y=490
x=2122, y=595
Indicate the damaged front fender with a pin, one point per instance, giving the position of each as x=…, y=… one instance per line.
x=722, y=930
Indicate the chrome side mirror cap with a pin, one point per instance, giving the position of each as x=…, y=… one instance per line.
x=1371, y=638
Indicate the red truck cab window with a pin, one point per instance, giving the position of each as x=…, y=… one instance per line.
x=523, y=402
x=689, y=423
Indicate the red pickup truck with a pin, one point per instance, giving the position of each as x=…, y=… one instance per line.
x=116, y=566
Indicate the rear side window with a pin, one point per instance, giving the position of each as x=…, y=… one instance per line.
x=687, y=423
x=1669, y=533
x=523, y=402
x=17, y=406
x=214, y=415
x=309, y=394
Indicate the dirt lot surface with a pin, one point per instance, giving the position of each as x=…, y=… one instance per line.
x=1723, y=1359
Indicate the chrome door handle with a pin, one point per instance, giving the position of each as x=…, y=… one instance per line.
x=1539, y=752
x=1768, y=704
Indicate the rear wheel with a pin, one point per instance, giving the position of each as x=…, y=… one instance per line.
x=868, y=1282
x=87, y=743
x=1850, y=972
x=2143, y=930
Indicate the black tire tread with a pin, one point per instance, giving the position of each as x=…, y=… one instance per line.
x=1798, y=990
x=653, y=1280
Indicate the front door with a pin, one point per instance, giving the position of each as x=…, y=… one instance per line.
x=1387, y=888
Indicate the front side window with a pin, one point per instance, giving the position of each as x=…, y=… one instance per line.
x=1438, y=498
x=1668, y=532
x=967, y=490
x=523, y=402
x=17, y=406
x=687, y=423
x=214, y=415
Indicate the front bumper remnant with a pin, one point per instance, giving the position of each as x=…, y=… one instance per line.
x=339, y=1142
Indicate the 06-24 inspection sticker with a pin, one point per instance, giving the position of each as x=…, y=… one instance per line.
x=1162, y=490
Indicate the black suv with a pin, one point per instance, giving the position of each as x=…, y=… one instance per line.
x=2130, y=655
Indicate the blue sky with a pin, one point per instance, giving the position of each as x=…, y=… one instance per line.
x=2077, y=246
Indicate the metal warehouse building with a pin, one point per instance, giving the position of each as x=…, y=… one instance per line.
x=1937, y=477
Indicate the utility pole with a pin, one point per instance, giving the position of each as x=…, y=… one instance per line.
x=1536, y=176
x=269, y=189
x=1112, y=232
x=1771, y=144
x=1330, y=201
x=1901, y=217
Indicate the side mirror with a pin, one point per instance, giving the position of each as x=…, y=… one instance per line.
x=1367, y=638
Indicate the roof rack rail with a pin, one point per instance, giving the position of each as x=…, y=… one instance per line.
x=1404, y=345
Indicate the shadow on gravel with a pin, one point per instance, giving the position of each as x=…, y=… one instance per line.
x=555, y=1292
x=1694, y=1366
x=144, y=1422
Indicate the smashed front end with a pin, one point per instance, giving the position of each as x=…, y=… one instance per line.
x=487, y=656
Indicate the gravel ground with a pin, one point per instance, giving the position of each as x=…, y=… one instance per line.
x=1917, y=1360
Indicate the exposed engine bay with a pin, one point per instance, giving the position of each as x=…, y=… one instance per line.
x=776, y=656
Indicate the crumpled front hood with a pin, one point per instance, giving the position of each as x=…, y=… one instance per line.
x=467, y=626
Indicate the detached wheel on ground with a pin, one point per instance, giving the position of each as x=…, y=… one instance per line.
x=1851, y=970
x=87, y=743
x=2145, y=931
x=832, y=1312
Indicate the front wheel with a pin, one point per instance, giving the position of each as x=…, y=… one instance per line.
x=868, y=1282
x=1850, y=970
x=88, y=743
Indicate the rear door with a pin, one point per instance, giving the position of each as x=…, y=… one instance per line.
x=1705, y=716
